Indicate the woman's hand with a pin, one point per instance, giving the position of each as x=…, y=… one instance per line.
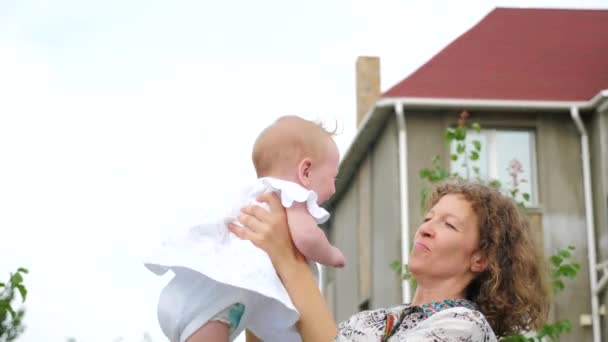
x=268, y=230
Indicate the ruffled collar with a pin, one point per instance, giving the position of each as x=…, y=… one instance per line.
x=429, y=309
x=393, y=320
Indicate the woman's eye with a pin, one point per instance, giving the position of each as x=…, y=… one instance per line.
x=426, y=219
x=450, y=225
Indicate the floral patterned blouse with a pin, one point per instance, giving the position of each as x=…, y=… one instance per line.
x=455, y=320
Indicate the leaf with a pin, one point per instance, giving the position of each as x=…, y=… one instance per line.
x=16, y=278
x=546, y=330
x=576, y=265
x=477, y=145
x=2, y=285
x=474, y=155
x=526, y=196
x=460, y=134
x=570, y=247
x=564, y=254
x=476, y=170
x=558, y=285
x=401, y=269
x=23, y=270
x=556, y=260
x=454, y=157
x=476, y=127
x=10, y=310
x=423, y=196
x=396, y=266
x=449, y=135
x=460, y=148
x=565, y=325
x=550, y=330
x=568, y=271
x=22, y=291
x=425, y=173
x=496, y=184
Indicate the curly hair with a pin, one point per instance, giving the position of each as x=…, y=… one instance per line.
x=513, y=292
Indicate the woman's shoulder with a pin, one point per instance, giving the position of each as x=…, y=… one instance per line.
x=377, y=314
x=456, y=324
x=369, y=324
x=445, y=321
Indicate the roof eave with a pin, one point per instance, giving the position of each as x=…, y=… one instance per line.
x=376, y=117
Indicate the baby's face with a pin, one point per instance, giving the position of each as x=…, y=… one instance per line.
x=324, y=177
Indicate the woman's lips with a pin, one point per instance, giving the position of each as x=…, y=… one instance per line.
x=421, y=246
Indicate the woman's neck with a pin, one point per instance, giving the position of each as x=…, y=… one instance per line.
x=439, y=290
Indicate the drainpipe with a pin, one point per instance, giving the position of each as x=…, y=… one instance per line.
x=403, y=194
x=590, y=225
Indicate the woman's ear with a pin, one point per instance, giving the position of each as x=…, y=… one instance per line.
x=479, y=262
x=304, y=170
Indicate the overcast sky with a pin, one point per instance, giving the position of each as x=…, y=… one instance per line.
x=120, y=120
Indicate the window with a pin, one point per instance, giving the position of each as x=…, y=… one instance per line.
x=506, y=155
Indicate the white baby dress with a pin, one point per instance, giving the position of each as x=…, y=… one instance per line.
x=215, y=269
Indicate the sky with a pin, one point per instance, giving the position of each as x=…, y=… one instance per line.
x=122, y=120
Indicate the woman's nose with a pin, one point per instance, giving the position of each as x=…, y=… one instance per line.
x=426, y=229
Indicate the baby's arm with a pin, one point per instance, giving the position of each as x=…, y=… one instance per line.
x=310, y=239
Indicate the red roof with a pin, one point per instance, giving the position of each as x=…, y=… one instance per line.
x=519, y=54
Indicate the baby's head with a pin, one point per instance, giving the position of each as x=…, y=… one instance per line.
x=300, y=151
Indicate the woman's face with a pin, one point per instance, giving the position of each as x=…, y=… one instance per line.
x=447, y=242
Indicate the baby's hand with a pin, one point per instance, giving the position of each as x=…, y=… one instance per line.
x=338, y=260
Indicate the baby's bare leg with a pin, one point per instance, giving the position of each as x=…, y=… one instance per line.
x=213, y=331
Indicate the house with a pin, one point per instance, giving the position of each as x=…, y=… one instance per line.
x=537, y=82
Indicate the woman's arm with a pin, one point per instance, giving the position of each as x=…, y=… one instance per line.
x=250, y=337
x=269, y=231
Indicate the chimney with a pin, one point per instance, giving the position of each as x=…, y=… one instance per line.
x=368, y=85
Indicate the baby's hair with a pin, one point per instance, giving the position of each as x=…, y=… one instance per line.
x=288, y=140
x=333, y=131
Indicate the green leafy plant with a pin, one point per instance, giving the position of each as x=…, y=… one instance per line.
x=11, y=318
x=465, y=154
x=562, y=267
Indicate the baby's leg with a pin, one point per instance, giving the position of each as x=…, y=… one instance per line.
x=213, y=331
x=220, y=326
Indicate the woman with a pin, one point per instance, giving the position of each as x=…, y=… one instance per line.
x=473, y=260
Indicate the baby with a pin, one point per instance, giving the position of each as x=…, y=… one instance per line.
x=221, y=284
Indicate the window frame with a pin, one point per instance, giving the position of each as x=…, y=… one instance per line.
x=492, y=160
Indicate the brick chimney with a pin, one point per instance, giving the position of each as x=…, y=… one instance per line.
x=368, y=92
x=368, y=85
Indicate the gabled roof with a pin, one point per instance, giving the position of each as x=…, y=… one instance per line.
x=513, y=59
x=519, y=54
